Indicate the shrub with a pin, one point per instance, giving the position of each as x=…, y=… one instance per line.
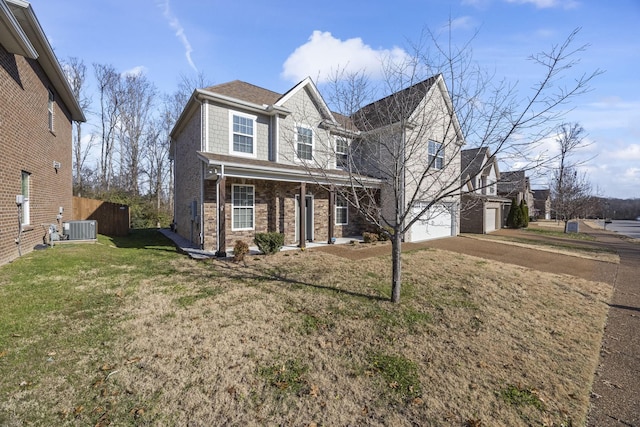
x=369, y=237
x=240, y=250
x=269, y=243
x=385, y=234
x=516, y=216
x=525, y=213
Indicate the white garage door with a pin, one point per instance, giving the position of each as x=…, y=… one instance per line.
x=435, y=223
x=490, y=220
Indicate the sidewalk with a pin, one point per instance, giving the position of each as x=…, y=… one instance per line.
x=615, y=393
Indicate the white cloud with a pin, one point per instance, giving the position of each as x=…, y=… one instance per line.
x=545, y=4
x=135, y=71
x=174, y=23
x=630, y=152
x=324, y=54
x=462, y=23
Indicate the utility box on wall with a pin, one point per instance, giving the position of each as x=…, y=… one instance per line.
x=80, y=230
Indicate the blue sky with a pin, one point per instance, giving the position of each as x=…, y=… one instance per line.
x=276, y=44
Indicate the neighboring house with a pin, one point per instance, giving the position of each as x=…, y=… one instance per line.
x=542, y=203
x=246, y=160
x=482, y=209
x=515, y=185
x=37, y=108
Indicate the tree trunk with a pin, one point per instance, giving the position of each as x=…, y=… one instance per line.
x=396, y=256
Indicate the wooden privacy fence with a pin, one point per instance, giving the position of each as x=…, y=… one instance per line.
x=113, y=218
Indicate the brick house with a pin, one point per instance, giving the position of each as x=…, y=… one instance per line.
x=248, y=160
x=37, y=108
x=482, y=209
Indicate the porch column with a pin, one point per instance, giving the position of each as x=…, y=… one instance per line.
x=302, y=216
x=332, y=213
x=222, y=220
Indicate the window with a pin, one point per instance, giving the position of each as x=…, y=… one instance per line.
x=50, y=106
x=304, y=139
x=242, y=134
x=24, y=216
x=342, y=211
x=342, y=153
x=242, y=201
x=436, y=155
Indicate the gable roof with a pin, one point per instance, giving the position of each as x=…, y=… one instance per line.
x=472, y=160
x=512, y=182
x=393, y=108
x=24, y=36
x=541, y=194
x=245, y=92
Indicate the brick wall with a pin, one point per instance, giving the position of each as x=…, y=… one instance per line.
x=275, y=210
x=26, y=144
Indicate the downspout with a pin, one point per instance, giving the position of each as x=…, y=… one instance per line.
x=220, y=176
x=204, y=145
x=201, y=210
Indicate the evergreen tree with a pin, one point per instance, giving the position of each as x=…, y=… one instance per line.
x=525, y=214
x=513, y=215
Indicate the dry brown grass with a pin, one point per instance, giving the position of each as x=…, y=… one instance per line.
x=198, y=348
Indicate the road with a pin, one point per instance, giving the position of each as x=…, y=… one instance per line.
x=628, y=228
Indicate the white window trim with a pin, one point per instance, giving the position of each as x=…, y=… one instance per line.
x=51, y=100
x=313, y=143
x=255, y=126
x=26, y=214
x=438, y=155
x=335, y=146
x=341, y=207
x=233, y=206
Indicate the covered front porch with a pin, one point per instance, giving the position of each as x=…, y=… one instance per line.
x=255, y=197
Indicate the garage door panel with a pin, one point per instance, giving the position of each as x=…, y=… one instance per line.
x=435, y=223
x=490, y=220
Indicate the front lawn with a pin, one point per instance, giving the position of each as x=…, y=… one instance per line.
x=129, y=332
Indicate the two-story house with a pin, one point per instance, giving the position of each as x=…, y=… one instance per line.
x=37, y=108
x=482, y=209
x=542, y=203
x=250, y=160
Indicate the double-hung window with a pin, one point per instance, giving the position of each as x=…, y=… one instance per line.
x=242, y=134
x=436, y=155
x=304, y=143
x=342, y=211
x=24, y=213
x=243, y=207
x=342, y=153
x=50, y=109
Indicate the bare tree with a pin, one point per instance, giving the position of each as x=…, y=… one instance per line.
x=138, y=96
x=410, y=140
x=108, y=81
x=571, y=191
x=76, y=73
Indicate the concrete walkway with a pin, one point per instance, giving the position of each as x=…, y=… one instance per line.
x=189, y=248
x=615, y=393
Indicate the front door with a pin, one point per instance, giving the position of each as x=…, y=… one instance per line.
x=308, y=213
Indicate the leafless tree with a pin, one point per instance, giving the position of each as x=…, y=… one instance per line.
x=436, y=100
x=571, y=191
x=108, y=81
x=76, y=73
x=138, y=96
